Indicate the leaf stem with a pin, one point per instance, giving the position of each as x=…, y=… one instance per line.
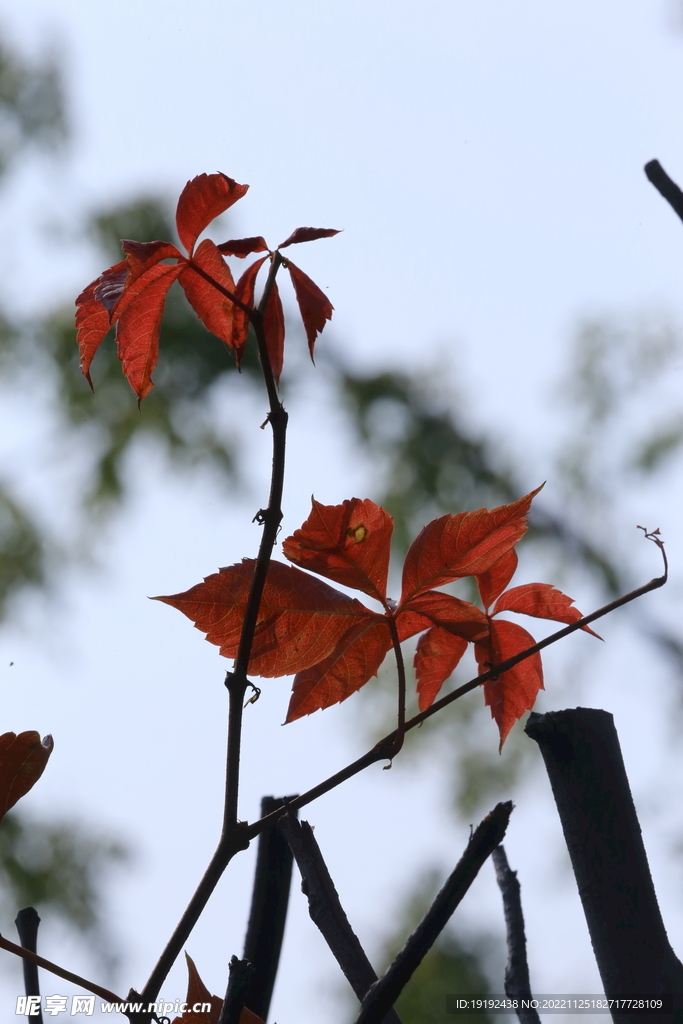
x=401, y=674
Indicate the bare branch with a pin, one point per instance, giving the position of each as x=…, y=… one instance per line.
x=665, y=186
x=326, y=910
x=27, y=921
x=60, y=972
x=517, y=984
x=241, y=973
x=386, y=991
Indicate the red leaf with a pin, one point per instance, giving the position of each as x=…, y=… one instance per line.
x=244, y=290
x=308, y=235
x=460, y=545
x=347, y=543
x=314, y=305
x=274, y=330
x=542, y=601
x=450, y=613
x=203, y=199
x=241, y=247
x=300, y=620
x=111, y=285
x=22, y=762
x=356, y=658
x=92, y=317
x=214, y=310
x=138, y=315
x=493, y=582
x=438, y=652
x=197, y=992
x=143, y=255
x=514, y=692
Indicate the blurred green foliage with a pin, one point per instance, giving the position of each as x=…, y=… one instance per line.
x=60, y=868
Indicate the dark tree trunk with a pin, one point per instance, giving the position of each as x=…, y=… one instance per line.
x=583, y=758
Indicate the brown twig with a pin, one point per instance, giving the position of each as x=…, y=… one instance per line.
x=326, y=911
x=60, y=972
x=517, y=983
x=386, y=991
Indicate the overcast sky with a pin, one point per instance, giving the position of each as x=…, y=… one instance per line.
x=485, y=164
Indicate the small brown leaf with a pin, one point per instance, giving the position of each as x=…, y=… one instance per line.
x=308, y=235
x=241, y=247
x=314, y=305
x=22, y=762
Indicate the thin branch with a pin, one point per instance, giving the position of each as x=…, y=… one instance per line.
x=233, y=836
x=47, y=965
x=665, y=185
x=326, y=911
x=227, y=848
x=236, y=681
x=517, y=983
x=240, y=975
x=386, y=991
x=27, y=921
x=383, y=748
x=401, y=674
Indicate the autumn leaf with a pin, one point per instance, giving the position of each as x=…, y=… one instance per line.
x=201, y=201
x=542, y=601
x=355, y=659
x=244, y=290
x=137, y=315
x=332, y=642
x=493, y=582
x=300, y=620
x=274, y=331
x=314, y=306
x=307, y=235
x=22, y=762
x=436, y=657
x=92, y=316
x=198, y=993
x=215, y=310
x=143, y=255
x=465, y=544
x=241, y=247
x=513, y=692
x=347, y=543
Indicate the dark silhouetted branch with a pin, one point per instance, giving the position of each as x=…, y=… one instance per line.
x=27, y=921
x=60, y=972
x=241, y=973
x=486, y=837
x=583, y=758
x=270, y=896
x=517, y=984
x=326, y=910
x=665, y=186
